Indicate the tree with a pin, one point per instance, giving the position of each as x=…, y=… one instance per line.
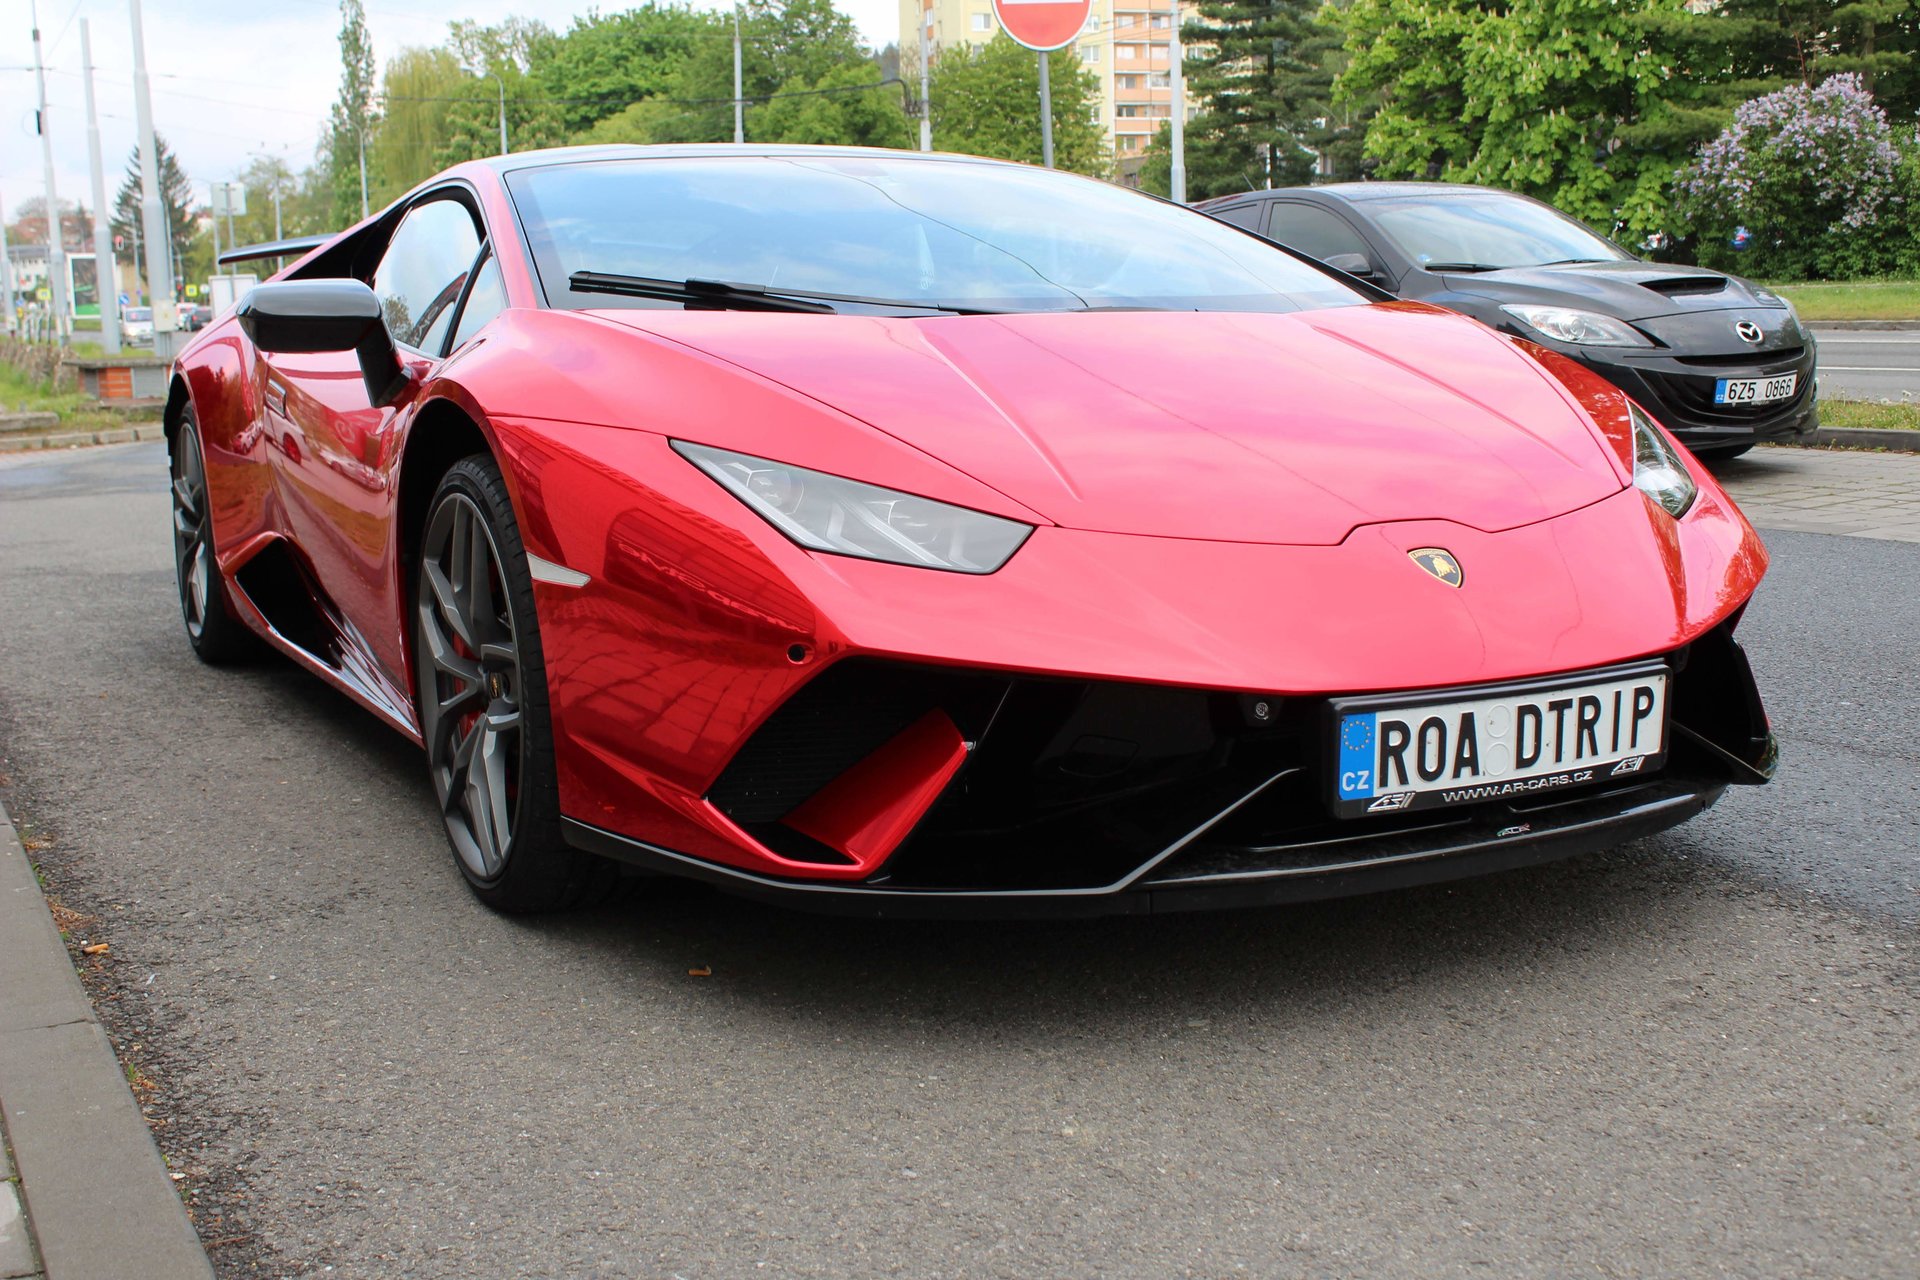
x=986, y=102
x=784, y=44
x=1259, y=69
x=416, y=93
x=176, y=203
x=29, y=224
x=354, y=115
x=607, y=62
x=496, y=63
x=1819, y=180
x=1582, y=103
x=848, y=106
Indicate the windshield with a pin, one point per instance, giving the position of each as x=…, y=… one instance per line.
x=138, y=313
x=1486, y=230
x=920, y=232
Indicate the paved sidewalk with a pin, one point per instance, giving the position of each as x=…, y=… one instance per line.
x=85, y=1195
x=1860, y=495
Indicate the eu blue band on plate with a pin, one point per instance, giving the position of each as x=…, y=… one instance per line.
x=1356, y=756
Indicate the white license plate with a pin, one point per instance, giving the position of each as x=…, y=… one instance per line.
x=1419, y=751
x=1755, y=390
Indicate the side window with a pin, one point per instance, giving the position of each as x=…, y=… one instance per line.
x=423, y=271
x=1246, y=216
x=487, y=299
x=1313, y=231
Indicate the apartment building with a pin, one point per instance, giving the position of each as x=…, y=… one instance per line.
x=1124, y=45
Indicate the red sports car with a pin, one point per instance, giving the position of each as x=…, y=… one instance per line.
x=917, y=534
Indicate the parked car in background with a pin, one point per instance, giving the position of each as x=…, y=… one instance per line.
x=1722, y=362
x=195, y=317
x=136, y=325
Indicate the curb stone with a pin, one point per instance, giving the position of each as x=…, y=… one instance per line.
x=1840, y=326
x=98, y=1201
x=21, y=442
x=1891, y=438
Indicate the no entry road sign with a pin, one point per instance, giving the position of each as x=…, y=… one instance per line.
x=1043, y=24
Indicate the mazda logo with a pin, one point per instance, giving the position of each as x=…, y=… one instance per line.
x=1750, y=332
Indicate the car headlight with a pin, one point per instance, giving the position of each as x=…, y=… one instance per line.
x=1581, y=328
x=1658, y=471
x=830, y=513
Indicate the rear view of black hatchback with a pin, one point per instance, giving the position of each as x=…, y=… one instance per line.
x=1722, y=362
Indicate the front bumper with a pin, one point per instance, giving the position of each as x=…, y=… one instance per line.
x=1086, y=798
x=1678, y=390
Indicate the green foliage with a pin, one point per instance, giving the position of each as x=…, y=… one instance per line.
x=1262, y=72
x=835, y=110
x=176, y=202
x=606, y=62
x=986, y=102
x=1581, y=103
x=416, y=91
x=354, y=114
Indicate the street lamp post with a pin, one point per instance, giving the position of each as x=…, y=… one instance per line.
x=503, y=115
x=1177, y=82
x=56, y=234
x=106, y=280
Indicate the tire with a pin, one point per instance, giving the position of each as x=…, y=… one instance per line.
x=480, y=687
x=218, y=638
x=1721, y=453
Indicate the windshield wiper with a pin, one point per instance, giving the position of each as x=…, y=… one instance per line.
x=1459, y=266
x=718, y=295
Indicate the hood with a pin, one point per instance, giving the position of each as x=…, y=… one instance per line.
x=1624, y=290
x=1290, y=429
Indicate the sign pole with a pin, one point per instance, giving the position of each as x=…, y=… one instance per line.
x=1046, y=115
x=1043, y=26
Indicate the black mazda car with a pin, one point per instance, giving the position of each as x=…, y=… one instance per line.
x=1723, y=362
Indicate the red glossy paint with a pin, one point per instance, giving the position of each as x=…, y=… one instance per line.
x=1221, y=501
x=867, y=811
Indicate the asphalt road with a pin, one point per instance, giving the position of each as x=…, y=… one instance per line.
x=1869, y=364
x=1696, y=1056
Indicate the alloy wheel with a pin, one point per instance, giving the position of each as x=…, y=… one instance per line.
x=192, y=547
x=469, y=663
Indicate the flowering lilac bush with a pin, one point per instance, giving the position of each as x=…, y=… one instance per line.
x=1821, y=178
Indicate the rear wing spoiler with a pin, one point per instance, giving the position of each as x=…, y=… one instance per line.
x=297, y=247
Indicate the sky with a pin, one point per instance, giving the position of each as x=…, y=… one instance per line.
x=231, y=79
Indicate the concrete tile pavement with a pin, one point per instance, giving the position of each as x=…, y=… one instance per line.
x=1846, y=492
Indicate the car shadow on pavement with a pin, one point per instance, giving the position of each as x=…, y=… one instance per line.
x=1126, y=977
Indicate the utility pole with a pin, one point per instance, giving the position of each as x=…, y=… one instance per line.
x=1177, y=80
x=503, y=117
x=213, y=207
x=106, y=279
x=166, y=315
x=739, y=108
x=276, y=209
x=360, y=141
x=7, y=323
x=56, y=234
x=926, y=78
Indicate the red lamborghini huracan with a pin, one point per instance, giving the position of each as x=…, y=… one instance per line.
x=923, y=534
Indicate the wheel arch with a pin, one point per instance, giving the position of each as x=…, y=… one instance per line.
x=441, y=435
x=178, y=398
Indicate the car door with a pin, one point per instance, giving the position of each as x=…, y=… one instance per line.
x=1320, y=233
x=336, y=448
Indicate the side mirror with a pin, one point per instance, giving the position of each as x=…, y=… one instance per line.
x=302, y=316
x=1354, y=264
